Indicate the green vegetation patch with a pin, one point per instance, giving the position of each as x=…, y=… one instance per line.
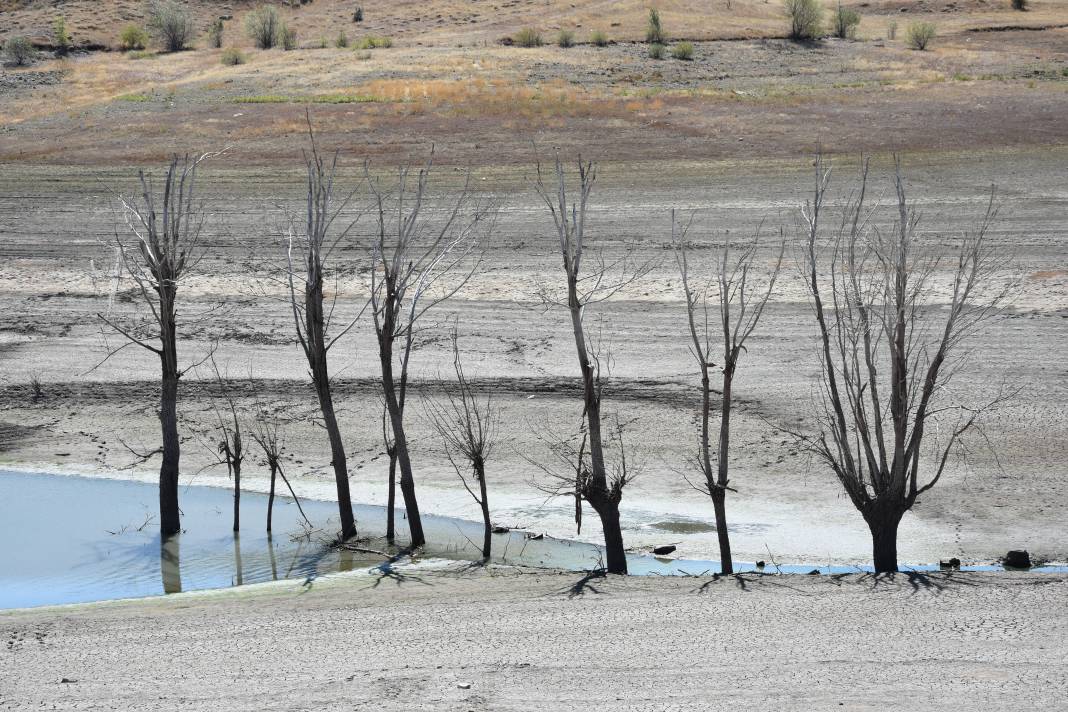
x=312, y=99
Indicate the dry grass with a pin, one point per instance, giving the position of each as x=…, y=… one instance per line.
x=451, y=23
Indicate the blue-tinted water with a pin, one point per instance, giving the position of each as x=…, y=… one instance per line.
x=75, y=539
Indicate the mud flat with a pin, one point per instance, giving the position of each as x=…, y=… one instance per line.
x=53, y=226
x=509, y=640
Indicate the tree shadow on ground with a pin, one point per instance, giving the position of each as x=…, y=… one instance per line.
x=747, y=580
x=584, y=585
x=932, y=582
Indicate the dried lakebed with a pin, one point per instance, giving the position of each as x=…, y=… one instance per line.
x=76, y=539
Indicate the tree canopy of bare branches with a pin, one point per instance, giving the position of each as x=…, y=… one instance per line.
x=312, y=243
x=468, y=427
x=722, y=312
x=893, y=312
x=160, y=246
x=585, y=286
x=417, y=262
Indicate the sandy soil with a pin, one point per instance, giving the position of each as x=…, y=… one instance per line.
x=786, y=504
x=468, y=641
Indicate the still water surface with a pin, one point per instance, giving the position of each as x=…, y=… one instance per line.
x=76, y=539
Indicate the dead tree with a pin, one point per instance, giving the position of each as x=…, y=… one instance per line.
x=313, y=243
x=468, y=427
x=267, y=437
x=416, y=264
x=230, y=450
x=739, y=298
x=586, y=286
x=883, y=300
x=163, y=246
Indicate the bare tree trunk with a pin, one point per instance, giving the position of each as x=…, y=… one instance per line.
x=598, y=494
x=616, y=555
x=400, y=443
x=883, y=523
x=170, y=519
x=317, y=355
x=270, y=497
x=391, y=497
x=719, y=492
x=237, y=495
x=338, y=461
x=487, y=532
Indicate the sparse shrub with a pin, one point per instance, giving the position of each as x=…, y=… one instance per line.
x=342, y=40
x=528, y=37
x=215, y=33
x=288, y=37
x=657, y=50
x=654, y=32
x=36, y=389
x=19, y=51
x=232, y=56
x=172, y=24
x=920, y=35
x=372, y=42
x=566, y=38
x=806, y=18
x=357, y=14
x=844, y=23
x=141, y=54
x=132, y=37
x=263, y=26
x=891, y=30
x=599, y=38
x=683, y=51
x=60, y=37
x=1019, y=5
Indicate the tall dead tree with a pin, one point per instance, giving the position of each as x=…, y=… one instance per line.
x=312, y=242
x=161, y=248
x=417, y=262
x=585, y=286
x=468, y=427
x=893, y=310
x=738, y=298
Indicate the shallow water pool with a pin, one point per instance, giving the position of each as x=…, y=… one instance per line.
x=75, y=539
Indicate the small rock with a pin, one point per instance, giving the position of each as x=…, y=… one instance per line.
x=498, y=529
x=1017, y=559
x=760, y=564
x=535, y=537
x=951, y=565
x=664, y=550
x=464, y=685
x=814, y=572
